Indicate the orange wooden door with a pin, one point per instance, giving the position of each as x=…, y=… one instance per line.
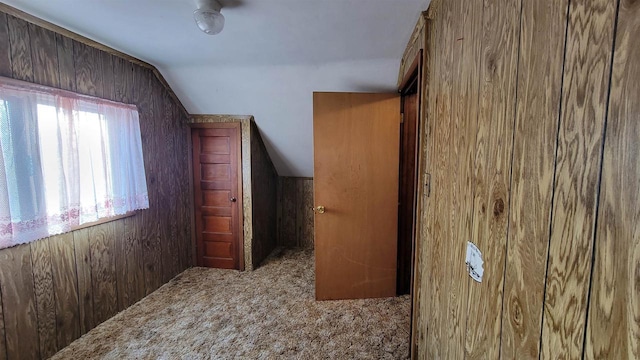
x=356, y=156
x=217, y=182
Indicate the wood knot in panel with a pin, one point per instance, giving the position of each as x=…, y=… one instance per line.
x=637, y=279
x=492, y=66
x=498, y=207
x=516, y=312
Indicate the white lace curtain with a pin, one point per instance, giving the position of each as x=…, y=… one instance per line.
x=66, y=160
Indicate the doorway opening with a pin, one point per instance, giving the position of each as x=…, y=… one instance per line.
x=410, y=90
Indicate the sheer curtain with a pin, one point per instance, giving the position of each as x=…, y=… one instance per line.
x=66, y=160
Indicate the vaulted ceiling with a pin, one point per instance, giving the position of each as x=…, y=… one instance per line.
x=269, y=59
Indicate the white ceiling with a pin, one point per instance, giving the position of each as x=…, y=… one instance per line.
x=268, y=60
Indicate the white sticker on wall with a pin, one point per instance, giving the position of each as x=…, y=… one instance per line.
x=474, y=262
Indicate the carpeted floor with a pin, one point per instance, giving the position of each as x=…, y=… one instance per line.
x=266, y=314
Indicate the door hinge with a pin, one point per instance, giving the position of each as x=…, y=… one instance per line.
x=401, y=118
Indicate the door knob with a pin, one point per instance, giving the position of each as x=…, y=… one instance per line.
x=233, y=199
x=319, y=209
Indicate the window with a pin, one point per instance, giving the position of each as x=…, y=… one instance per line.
x=66, y=160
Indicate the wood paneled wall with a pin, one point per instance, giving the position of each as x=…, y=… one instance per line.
x=56, y=289
x=295, y=212
x=531, y=143
x=264, y=185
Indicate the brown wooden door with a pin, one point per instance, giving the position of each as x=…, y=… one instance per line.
x=218, y=197
x=356, y=154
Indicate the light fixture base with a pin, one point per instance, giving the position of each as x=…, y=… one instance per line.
x=208, y=16
x=208, y=5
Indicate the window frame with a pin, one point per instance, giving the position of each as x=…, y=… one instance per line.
x=93, y=100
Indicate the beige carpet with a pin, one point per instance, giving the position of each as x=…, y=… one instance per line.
x=266, y=314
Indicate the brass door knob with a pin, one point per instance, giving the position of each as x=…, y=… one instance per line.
x=233, y=199
x=319, y=209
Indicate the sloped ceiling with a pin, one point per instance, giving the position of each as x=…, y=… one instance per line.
x=269, y=59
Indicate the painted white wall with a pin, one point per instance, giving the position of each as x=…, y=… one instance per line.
x=280, y=98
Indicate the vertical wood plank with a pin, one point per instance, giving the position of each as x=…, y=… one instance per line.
x=289, y=192
x=150, y=229
x=306, y=211
x=466, y=71
x=613, y=330
x=304, y=214
x=44, y=296
x=66, y=288
x=108, y=84
x=584, y=95
x=102, y=239
x=459, y=165
x=442, y=235
x=167, y=187
x=18, y=299
x=499, y=60
x=158, y=251
x=294, y=207
x=425, y=284
x=185, y=190
x=83, y=271
x=175, y=184
x=66, y=66
x=130, y=269
x=279, y=213
x=3, y=342
x=88, y=69
x=416, y=305
x=299, y=212
x=5, y=56
x=542, y=39
x=44, y=55
x=129, y=258
x=17, y=278
x=123, y=79
x=179, y=186
x=21, y=66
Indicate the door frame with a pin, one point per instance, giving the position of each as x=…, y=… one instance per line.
x=240, y=197
x=413, y=75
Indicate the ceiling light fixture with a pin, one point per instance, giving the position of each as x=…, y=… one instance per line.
x=208, y=16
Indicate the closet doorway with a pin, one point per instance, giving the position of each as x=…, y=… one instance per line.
x=410, y=90
x=218, y=195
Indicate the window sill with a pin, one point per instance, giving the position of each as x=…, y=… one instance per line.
x=105, y=220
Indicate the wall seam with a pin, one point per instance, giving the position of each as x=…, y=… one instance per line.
x=122, y=239
x=555, y=167
x=513, y=145
x=31, y=253
x=601, y=165
x=54, y=297
x=473, y=193
x=4, y=323
x=35, y=297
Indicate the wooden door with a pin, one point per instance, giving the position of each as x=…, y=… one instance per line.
x=356, y=154
x=218, y=196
